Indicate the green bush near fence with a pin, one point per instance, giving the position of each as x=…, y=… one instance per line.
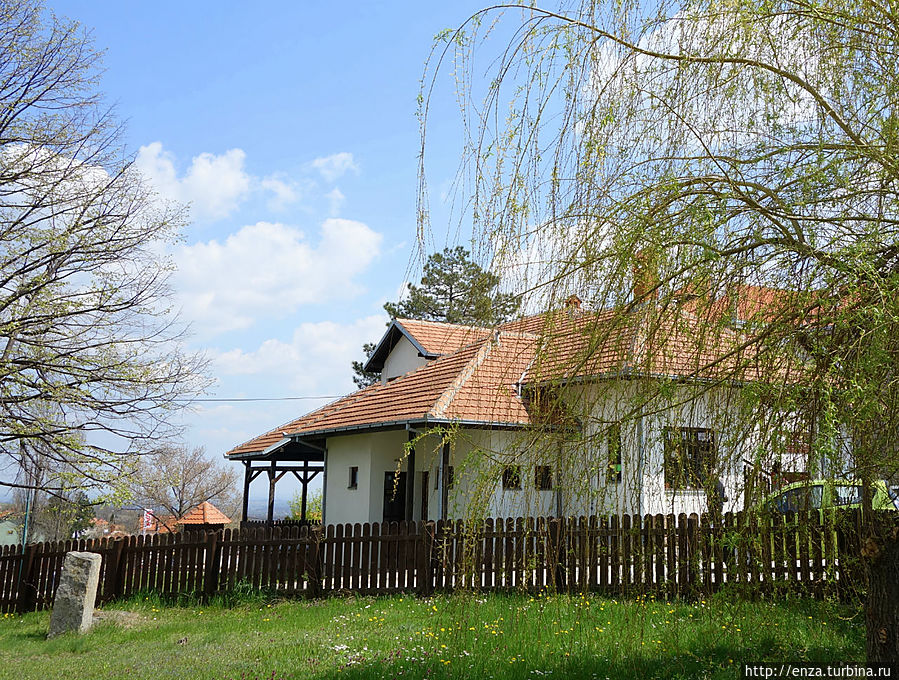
x=459, y=636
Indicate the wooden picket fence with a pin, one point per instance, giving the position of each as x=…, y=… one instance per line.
x=672, y=556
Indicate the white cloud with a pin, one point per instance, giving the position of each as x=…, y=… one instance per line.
x=283, y=192
x=268, y=270
x=335, y=198
x=314, y=361
x=335, y=166
x=213, y=185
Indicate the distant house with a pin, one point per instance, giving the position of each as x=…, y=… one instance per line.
x=204, y=517
x=534, y=417
x=157, y=524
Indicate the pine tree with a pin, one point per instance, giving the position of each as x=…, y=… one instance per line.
x=453, y=289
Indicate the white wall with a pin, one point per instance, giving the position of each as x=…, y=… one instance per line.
x=478, y=457
x=375, y=453
x=402, y=359
x=343, y=504
x=642, y=490
x=579, y=462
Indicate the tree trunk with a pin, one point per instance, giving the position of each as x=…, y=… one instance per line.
x=882, y=604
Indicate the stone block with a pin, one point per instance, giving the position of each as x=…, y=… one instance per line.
x=73, y=606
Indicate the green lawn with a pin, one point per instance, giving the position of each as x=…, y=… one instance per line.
x=496, y=636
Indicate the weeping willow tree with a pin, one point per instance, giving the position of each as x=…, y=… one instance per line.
x=721, y=179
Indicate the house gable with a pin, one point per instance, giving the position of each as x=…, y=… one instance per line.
x=410, y=343
x=403, y=358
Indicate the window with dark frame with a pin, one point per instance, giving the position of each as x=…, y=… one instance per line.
x=689, y=457
x=512, y=477
x=543, y=477
x=354, y=477
x=613, y=452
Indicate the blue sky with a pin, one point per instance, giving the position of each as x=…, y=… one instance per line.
x=290, y=129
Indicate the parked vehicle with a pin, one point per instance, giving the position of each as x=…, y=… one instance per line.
x=821, y=494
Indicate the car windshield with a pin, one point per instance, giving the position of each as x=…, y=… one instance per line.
x=847, y=494
x=800, y=498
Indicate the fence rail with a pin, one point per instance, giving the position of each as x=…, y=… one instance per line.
x=663, y=554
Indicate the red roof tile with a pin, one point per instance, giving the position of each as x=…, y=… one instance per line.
x=438, y=338
x=204, y=513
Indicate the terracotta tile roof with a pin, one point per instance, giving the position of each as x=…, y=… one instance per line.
x=475, y=383
x=438, y=338
x=161, y=524
x=204, y=513
x=262, y=442
x=479, y=382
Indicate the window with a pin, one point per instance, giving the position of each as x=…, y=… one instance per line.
x=354, y=477
x=543, y=477
x=613, y=449
x=512, y=477
x=689, y=457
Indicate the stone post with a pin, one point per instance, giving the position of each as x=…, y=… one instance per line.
x=73, y=606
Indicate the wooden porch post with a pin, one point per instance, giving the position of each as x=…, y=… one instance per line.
x=271, y=491
x=246, y=489
x=305, y=481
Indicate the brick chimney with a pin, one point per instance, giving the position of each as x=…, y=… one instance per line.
x=646, y=277
x=573, y=302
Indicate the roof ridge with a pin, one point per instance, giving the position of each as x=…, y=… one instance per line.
x=444, y=400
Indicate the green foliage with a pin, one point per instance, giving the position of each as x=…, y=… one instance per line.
x=313, y=506
x=91, y=363
x=72, y=514
x=503, y=636
x=361, y=377
x=453, y=289
x=714, y=151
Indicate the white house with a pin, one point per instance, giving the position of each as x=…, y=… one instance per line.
x=571, y=412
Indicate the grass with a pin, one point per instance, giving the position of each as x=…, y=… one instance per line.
x=460, y=636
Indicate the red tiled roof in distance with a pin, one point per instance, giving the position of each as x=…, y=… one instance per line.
x=204, y=513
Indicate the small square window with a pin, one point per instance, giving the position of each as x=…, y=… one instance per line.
x=543, y=477
x=354, y=477
x=512, y=477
